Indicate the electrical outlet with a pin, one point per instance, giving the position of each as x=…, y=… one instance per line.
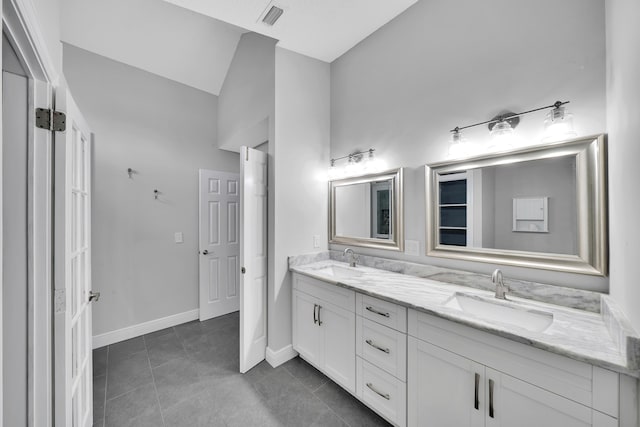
x=412, y=247
x=316, y=241
x=178, y=237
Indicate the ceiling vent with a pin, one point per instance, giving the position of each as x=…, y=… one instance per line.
x=273, y=15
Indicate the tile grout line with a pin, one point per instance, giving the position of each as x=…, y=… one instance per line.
x=153, y=378
x=313, y=393
x=326, y=404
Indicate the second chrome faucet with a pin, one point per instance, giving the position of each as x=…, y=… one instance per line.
x=353, y=258
x=501, y=288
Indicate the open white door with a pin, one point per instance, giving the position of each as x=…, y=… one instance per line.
x=219, y=243
x=72, y=216
x=253, y=257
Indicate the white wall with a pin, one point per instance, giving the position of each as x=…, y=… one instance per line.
x=298, y=187
x=245, y=105
x=623, y=110
x=15, y=280
x=442, y=64
x=47, y=13
x=154, y=36
x=165, y=131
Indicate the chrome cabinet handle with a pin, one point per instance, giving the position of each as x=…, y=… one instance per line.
x=319, y=321
x=315, y=319
x=373, y=310
x=377, y=347
x=476, y=403
x=491, y=398
x=383, y=395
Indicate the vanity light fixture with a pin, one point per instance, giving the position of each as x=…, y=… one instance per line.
x=502, y=133
x=358, y=162
x=458, y=145
x=558, y=125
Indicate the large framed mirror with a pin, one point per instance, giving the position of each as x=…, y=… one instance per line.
x=367, y=211
x=538, y=207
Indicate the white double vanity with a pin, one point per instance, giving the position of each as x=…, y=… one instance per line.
x=399, y=344
x=427, y=346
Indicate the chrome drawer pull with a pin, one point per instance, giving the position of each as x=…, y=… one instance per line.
x=373, y=310
x=373, y=389
x=372, y=344
x=491, y=410
x=476, y=400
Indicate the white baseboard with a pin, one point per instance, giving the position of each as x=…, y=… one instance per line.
x=277, y=358
x=144, y=328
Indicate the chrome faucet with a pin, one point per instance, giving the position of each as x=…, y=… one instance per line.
x=353, y=258
x=501, y=288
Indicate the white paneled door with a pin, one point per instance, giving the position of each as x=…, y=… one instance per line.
x=73, y=296
x=219, y=243
x=253, y=257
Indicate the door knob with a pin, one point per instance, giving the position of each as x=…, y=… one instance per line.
x=94, y=296
x=205, y=252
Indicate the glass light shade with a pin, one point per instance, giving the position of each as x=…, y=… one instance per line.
x=502, y=136
x=353, y=167
x=558, y=125
x=458, y=146
x=371, y=163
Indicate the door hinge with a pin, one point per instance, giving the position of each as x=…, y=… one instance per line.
x=51, y=120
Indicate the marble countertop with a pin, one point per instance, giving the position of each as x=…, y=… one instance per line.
x=578, y=334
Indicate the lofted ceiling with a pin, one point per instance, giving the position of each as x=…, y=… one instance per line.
x=154, y=36
x=320, y=29
x=193, y=41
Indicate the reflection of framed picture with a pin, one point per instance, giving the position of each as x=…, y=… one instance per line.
x=380, y=210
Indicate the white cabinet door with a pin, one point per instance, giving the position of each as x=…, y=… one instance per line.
x=444, y=389
x=306, y=333
x=325, y=336
x=516, y=403
x=339, y=344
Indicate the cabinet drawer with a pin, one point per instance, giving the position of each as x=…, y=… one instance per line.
x=340, y=297
x=383, y=312
x=382, y=392
x=384, y=347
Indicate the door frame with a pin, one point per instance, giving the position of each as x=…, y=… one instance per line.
x=20, y=24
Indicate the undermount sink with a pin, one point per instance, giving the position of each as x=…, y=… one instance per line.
x=340, y=272
x=498, y=311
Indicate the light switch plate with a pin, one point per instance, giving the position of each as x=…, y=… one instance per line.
x=316, y=241
x=178, y=237
x=412, y=247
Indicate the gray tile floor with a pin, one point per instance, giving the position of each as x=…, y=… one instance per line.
x=188, y=376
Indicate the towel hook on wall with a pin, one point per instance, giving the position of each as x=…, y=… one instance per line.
x=130, y=172
x=155, y=194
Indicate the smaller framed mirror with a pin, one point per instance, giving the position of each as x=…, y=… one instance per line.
x=367, y=211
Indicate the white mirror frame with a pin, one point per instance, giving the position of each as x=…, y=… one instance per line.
x=591, y=182
x=397, y=224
